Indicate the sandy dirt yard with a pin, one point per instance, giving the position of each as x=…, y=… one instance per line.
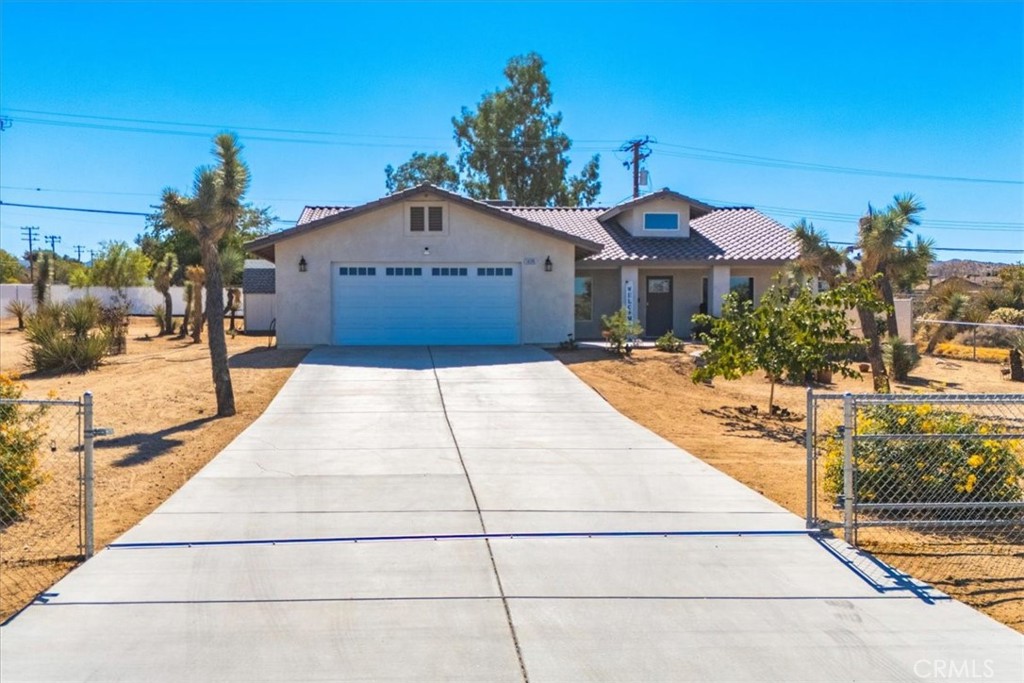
x=159, y=400
x=716, y=423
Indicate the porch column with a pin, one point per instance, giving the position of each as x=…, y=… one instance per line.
x=630, y=279
x=719, y=288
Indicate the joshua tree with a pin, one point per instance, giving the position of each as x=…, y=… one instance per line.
x=187, y=317
x=44, y=279
x=197, y=276
x=210, y=213
x=163, y=275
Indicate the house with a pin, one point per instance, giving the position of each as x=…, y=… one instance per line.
x=428, y=266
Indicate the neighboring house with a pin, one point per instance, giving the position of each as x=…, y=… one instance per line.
x=428, y=266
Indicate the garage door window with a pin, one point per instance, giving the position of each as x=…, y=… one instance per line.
x=352, y=270
x=449, y=272
x=404, y=271
x=494, y=272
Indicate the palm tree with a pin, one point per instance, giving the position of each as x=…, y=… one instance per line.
x=163, y=275
x=209, y=214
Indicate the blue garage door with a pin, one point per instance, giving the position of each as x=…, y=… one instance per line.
x=401, y=304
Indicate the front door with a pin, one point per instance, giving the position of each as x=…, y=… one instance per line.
x=659, y=306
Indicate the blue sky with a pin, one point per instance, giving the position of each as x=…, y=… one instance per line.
x=924, y=92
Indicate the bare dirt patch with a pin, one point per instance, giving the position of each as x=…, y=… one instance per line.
x=726, y=425
x=159, y=400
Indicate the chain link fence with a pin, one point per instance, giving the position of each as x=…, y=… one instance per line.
x=931, y=484
x=45, y=495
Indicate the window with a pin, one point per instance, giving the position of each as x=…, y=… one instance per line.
x=402, y=271
x=449, y=272
x=426, y=219
x=494, y=272
x=584, y=288
x=353, y=270
x=661, y=221
x=743, y=286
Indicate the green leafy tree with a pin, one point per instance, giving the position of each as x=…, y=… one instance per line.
x=422, y=168
x=792, y=332
x=512, y=147
x=211, y=214
x=161, y=238
x=118, y=265
x=11, y=270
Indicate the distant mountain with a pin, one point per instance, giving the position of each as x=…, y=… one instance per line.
x=963, y=268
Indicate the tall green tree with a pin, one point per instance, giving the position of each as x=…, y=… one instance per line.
x=210, y=214
x=119, y=265
x=11, y=269
x=422, y=168
x=160, y=238
x=512, y=146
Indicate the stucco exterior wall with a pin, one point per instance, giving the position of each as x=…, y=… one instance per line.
x=304, y=306
x=632, y=219
x=607, y=293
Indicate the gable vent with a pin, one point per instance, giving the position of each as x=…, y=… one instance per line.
x=416, y=218
x=435, y=222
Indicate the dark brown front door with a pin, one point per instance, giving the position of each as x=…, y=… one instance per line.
x=659, y=306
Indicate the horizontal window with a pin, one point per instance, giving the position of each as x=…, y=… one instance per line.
x=403, y=271
x=353, y=270
x=494, y=272
x=449, y=272
x=661, y=221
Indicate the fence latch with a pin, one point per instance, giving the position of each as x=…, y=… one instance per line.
x=100, y=431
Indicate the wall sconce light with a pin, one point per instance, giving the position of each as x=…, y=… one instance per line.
x=548, y=266
x=426, y=251
x=302, y=264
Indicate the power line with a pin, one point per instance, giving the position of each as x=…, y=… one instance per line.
x=977, y=251
x=104, y=211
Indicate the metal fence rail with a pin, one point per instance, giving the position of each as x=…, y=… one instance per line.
x=45, y=495
x=934, y=483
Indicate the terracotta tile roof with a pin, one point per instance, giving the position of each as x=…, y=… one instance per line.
x=315, y=213
x=729, y=234
x=722, y=234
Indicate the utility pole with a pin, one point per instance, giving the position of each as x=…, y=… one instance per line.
x=640, y=150
x=92, y=255
x=30, y=236
x=78, y=251
x=53, y=240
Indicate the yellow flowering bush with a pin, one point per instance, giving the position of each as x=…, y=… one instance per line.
x=963, y=467
x=21, y=433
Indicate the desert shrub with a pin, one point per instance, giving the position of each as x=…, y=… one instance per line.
x=61, y=337
x=21, y=434
x=900, y=357
x=669, y=342
x=160, y=318
x=19, y=309
x=967, y=352
x=1006, y=316
x=113, y=321
x=964, y=468
x=620, y=332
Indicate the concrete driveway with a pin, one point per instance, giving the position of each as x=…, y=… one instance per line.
x=251, y=571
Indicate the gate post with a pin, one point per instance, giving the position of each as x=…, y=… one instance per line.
x=810, y=517
x=87, y=473
x=848, y=492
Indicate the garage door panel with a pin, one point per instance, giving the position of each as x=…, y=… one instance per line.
x=460, y=304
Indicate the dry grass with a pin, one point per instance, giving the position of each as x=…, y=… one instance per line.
x=159, y=399
x=717, y=424
x=983, y=354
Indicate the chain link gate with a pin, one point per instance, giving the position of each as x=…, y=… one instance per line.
x=933, y=484
x=46, y=494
